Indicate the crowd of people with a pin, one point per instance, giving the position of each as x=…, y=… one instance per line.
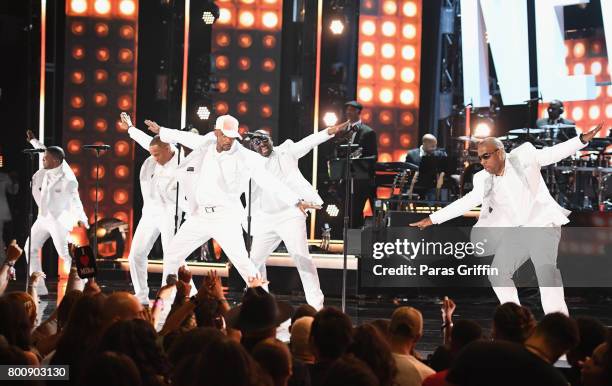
x=112, y=339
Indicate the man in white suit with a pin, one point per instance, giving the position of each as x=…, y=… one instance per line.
x=159, y=192
x=56, y=192
x=214, y=175
x=512, y=193
x=274, y=221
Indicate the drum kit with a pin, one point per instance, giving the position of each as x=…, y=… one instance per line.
x=579, y=182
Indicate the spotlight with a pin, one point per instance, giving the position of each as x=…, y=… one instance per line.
x=210, y=12
x=203, y=113
x=336, y=26
x=330, y=118
x=332, y=210
x=483, y=127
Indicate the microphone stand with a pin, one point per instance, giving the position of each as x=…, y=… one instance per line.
x=348, y=178
x=249, y=241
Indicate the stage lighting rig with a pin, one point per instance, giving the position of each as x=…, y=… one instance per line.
x=210, y=12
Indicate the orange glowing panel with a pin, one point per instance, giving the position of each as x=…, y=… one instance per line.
x=77, y=102
x=244, y=87
x=222, y=62
x=384, y=139
x=122, y=172
x=409, y=31
x=102, y=54
x=243, y=129
x=387, y=50
x=407, y=118
x=408, y=52
x=265, y=88
x=388, y=28
x=577, y=113
x=92, y=195
x=368, y=28
x=127, y=7
x=266, y=111
x=269, y=41
x=121, y=216
x=405, y=140
x=246, y=19
x=125, y=78
x=126, y=32
x=101, y=76
x=77, y=28
x=100, y=99
x=609, y=110
x=407, y=97
x=407, y=75
x=101, y=172
x=365, y=94
x=242, y=108
x=386, y=95
x=126, y=55
x=385, y=117
x=366, y=115
x=269, y=20
x=78, y=52
x=387, y=72
x=124, y=102
x=390, y=7
x=268, y=65
x=77, y=123
x=579, y=50
x=77, y=77
x=245, y=40
x=101, y=125
x=244, y=63
x=74, y=146
x=366, y=71
x=225, y=16
x=122, y=148
x=409, y=9
x=101, y=29
x=221, y=107
x=594, y=112
x=223, y=39
x=78, y=6
x=596, y=68
x=368, y=49
x=102, y=7
x=385, y=157
x=223, y=85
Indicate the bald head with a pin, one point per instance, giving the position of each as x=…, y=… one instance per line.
x=430, y=142
x=492, y=155
x=122, y=306
x=406, y=323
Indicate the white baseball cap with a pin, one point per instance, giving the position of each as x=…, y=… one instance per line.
x=228, y=125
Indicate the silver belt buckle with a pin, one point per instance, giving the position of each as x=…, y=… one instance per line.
x=209, y=209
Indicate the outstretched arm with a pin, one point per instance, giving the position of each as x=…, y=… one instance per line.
x=301, y=148
x=139, y=136
x=36, y=144
x=185, y=138
x=553, y=154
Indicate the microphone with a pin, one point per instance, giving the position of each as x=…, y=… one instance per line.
x=32, y=151
x=97, y=147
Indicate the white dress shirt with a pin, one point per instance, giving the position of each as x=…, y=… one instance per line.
x=164, y=176
x=266, y=201
x=48, y=179
x=507, y=192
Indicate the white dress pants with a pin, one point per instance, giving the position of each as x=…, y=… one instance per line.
x=224, y=226
x=541, y=245
x=287, y=227
x=149, y=228
x=43, y=228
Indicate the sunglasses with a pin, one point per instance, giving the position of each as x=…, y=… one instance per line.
x=259, y=140
x=486, y=156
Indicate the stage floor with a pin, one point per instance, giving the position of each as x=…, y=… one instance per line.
x=478, y=307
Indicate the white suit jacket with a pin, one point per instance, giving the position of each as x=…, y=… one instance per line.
x=289, y=154
x=147, y=171
x=244, y=164
x=527, y=161
x=61, y=197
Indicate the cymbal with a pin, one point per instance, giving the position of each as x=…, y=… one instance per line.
x=527, y=131
x=508, y=138
x=465, y=138
x=558, y=126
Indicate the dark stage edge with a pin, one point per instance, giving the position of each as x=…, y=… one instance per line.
x=362, y=309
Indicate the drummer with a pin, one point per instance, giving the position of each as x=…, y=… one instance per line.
x=563, y=132
x=429, y=147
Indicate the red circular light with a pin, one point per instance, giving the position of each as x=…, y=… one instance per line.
x=101, y=124
x=74, y=146
x=122, y=171
x=103, y=54
x=120, y=196
x=122, y=148
x=77, y=123
x=100, y=99
x=101, y=76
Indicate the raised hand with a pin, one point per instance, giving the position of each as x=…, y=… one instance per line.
x=91, y=287
x=153, y=126
x=213, y=282
x=447, y=309
x=184, y=274
x=256, y=281
x=166, y=291
x=30, y=135
x=13, y=251
x=338, y=128
x=589, y=135
x=125, y=118
x=424, y=223
x=35, y=277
